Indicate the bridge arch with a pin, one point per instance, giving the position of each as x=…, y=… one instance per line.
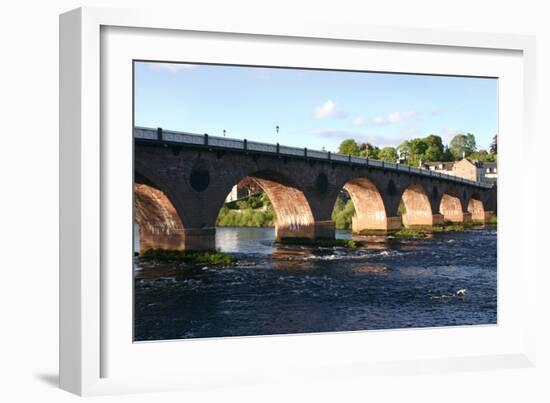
x=293, y=214
x=157, y=224
x=163, y=217
x=451, y=207
x=197, y=177
x=418, y=209
x=476, y=208
x=370, y=211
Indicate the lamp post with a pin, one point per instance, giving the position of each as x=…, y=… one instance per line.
x=276, y=133
x=223, y=132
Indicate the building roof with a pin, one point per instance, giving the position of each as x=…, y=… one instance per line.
x=481, y=164
x=447, y=165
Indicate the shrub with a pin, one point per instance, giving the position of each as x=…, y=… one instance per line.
x=213, y=257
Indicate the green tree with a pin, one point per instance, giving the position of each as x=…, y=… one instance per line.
x=432, y=154
x=494, y=144
x=418, y=147
x=368, y=150
x=404, y=149
x=483, y=156
x=462, y=145
x=435, y=149
x=414, y=151
x=388, y=154
x=256, y=211
x=447, y=155
x=343, y=213
x=349, y=146
x=471, y=142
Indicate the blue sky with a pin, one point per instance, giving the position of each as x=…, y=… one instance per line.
x=313, y=108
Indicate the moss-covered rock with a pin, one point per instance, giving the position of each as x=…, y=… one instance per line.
x=208, y=257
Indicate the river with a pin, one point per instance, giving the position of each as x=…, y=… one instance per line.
x=388, y=284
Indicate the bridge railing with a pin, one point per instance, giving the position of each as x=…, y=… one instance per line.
x=291, y=151
x=264, y=147
x=339, y=157
x=177, y=137
x=317, y=154
x=223, y=142
x=147, y=134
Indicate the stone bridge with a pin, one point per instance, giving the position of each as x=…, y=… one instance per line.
x=183, y=179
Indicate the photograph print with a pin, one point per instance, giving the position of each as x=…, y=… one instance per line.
x=277, y=201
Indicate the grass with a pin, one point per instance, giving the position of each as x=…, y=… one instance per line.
x=255, y=211
x=409, y=233
x=325, y=243
x=452, y=226
x=492, y=220
x=209, y=257
x=420, y=231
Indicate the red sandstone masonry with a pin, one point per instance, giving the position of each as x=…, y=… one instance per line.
x=301, y=206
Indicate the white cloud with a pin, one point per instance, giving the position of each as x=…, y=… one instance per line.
x=358, y=121
x=171, y=67
x=398, y=117
x=328, y=110
x=394, y=117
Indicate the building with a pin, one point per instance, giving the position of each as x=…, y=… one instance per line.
x=243, y=189
x=465, y=168
x=490, y=173
x=441, y=167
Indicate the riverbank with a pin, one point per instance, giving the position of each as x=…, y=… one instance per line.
x=423, y=231
x=206, y=257
x=255, y=211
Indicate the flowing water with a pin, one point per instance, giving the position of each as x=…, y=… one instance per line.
x=447, y=279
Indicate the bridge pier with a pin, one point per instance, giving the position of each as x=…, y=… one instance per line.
x=412, y=220
x=182, y=239
x=481, y=217
x=478, y=211
x=325, y=229
x=369, y=223
x=199, y=238
x=158, y=237
x=316, y=230
x=458, y=217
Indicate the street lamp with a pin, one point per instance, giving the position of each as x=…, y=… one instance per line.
x=276, y=132
x=223, y=132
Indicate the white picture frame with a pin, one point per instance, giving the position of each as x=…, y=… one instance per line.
x=88, y=317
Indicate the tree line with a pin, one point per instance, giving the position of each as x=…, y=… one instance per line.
x=254, y=211
x=418, y=150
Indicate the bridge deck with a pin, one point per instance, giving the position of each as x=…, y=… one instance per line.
x=205, y=140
